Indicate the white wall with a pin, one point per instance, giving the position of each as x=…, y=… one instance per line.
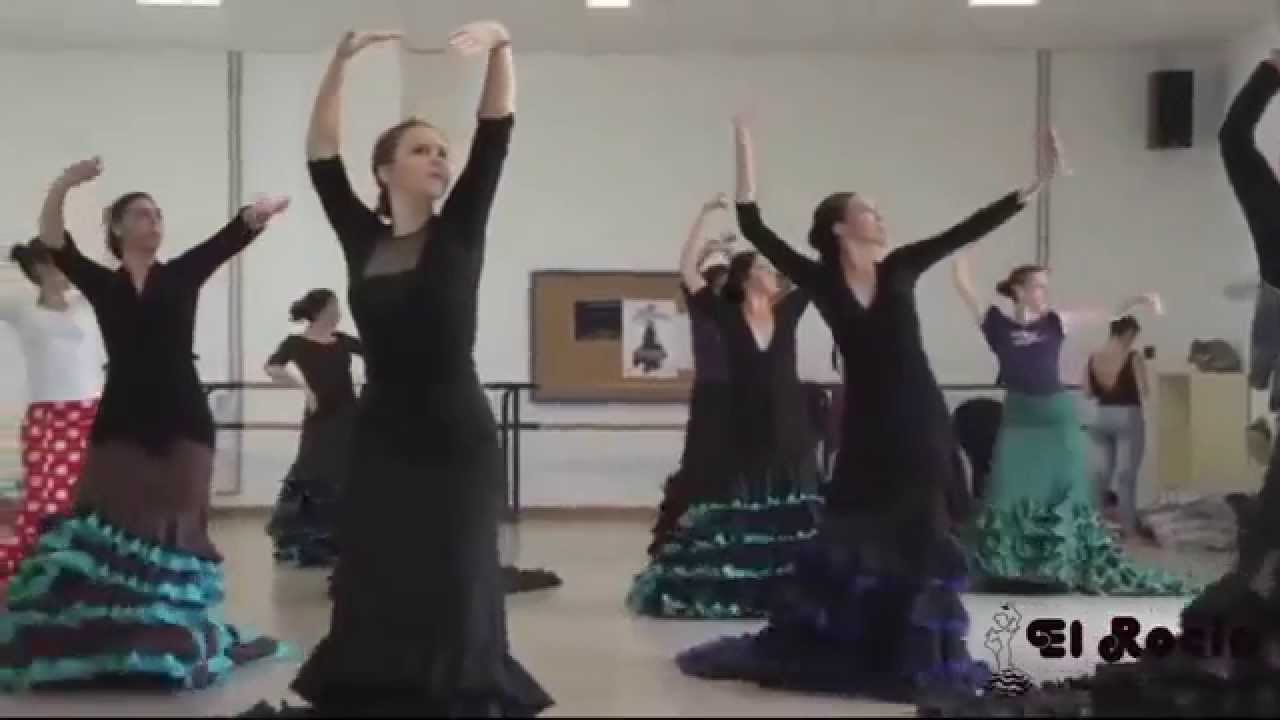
x=613, y=154
x=159, y=120
x=299, y=252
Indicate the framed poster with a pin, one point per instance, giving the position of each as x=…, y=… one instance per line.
x=609, y=336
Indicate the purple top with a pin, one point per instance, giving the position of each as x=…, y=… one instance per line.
x=709, y=361
x=1028, y=354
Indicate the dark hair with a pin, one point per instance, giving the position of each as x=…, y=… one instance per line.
x=115, y=213
x=1125, y=325
x=735, y=281
x=1017, y=278
x=384, y=153
x=29, y=256
x=713, y=273
x=312, y=304
x=821, y=237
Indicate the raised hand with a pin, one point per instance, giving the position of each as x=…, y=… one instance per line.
x=719, y=202
x=478, y=37
x=1052, y=165
x=81, y=172
x=353, y=42
x=1154, y=302
x=260, y=213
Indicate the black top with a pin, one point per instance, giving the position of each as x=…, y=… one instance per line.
x=897, y=446
x=326, y=366
x=1252, y=178
x=152, y=394
x=1123, y=392
x=769, y=402
x=419, y=326
x=709, y=361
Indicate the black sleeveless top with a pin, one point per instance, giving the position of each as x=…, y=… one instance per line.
x=1123, y=393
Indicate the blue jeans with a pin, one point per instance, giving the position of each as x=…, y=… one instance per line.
x=1119, y=434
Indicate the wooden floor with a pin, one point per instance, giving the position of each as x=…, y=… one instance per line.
x=578, y=640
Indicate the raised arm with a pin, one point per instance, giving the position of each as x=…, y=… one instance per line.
x=1078, y=318
x=353, y=222
x=1250, y=175
x=697, y=246
x=962, y=277
x=90, y=278
x=801, y=270
x=324, y=136
x=472, y=197
x=203, y=260
x=920, y=256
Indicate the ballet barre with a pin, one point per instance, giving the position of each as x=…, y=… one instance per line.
x=511, y=425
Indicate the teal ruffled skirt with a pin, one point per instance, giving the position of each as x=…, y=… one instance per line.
x=1041, y=525
x=94, y=606
x=726, y=558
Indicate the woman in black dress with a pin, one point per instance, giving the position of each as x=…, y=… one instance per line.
x=706, y=432
x=302, y=524
x=759, y=499
x=125, y=591
x=419, y=618
x=875, y=606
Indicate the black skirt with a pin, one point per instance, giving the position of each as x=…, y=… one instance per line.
x=302, y=525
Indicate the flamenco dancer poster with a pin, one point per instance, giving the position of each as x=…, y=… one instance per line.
x=649, y=339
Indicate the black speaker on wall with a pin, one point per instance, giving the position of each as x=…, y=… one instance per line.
x=1171, y=109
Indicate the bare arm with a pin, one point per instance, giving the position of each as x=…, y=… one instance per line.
x=696, y=246
x=1140, y=374
x=1078, y=318
x=283, y=376
x=1086, y=383
x=801, y=270
x=962, y=277
x=325, y=132
x=53, y=226
x=498, y=99
x=744, y=159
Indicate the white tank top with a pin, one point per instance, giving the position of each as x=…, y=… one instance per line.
x=62, y=349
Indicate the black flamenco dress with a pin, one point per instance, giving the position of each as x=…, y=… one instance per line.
x=874, y=607
x=127, y=591
x=706, y=433
x=758, y=498
x=302, y=524
x=419, y=620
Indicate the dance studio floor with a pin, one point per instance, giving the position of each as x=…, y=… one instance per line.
x=578, y=640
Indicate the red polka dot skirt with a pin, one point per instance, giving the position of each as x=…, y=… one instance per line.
x=55, y=440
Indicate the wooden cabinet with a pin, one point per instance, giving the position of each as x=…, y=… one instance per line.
x=1200, y=421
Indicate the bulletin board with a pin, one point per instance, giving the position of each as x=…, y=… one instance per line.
x=601, y=336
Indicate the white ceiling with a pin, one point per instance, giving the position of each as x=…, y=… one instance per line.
x=649, y=26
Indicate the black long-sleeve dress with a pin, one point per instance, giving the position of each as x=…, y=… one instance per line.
x=126, y=592
x=419, y=620
x=302, y=524
x=874, y=607
x=706, y=433
x=760, y=505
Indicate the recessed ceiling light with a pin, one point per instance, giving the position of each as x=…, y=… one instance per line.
x=602, y=4
x=182, y=3
x=1003, y=3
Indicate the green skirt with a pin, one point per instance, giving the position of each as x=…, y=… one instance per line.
x=1041, y=524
